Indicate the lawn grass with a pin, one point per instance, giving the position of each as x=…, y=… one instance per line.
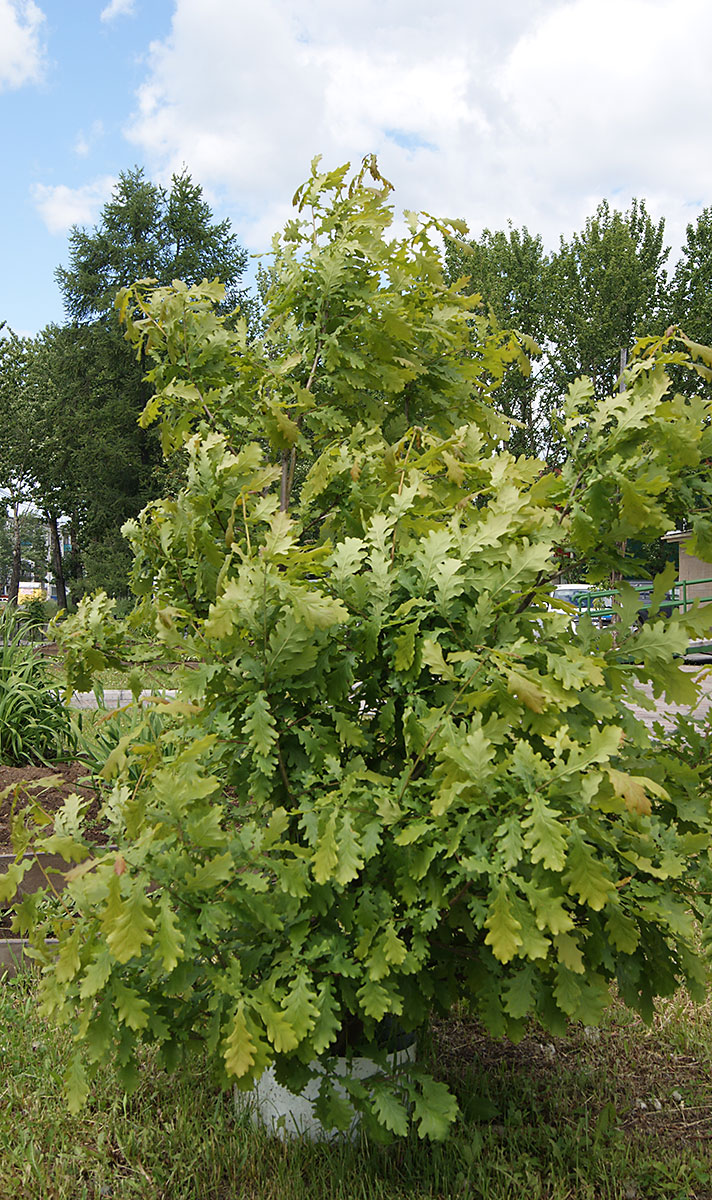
x=624, y=1113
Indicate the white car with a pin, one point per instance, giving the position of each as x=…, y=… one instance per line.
x=579, y=594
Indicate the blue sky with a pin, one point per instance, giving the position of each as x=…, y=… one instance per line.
x=530, y=111
x=63, y=128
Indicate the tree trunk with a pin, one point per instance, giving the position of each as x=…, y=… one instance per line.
x=16, y=557
x=55, y=549
x=77, y=567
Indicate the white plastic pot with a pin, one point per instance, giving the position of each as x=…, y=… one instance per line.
x=286, y=1114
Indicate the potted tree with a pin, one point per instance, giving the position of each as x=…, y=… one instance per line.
x=398, y=779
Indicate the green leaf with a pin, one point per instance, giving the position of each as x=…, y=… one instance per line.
x=546, y=835
x=434, y=660
x=96, y=973
x=132, y=1009
x=326, y=855
x=239, y=1050
x=280, y=1030
x=621, y=929
x=389, y=1110
x=260, y=726
x=169, y=939
x=11, y=877
x=528, y=691
x=376, y=1001
x=603, y=745
x=585, y=877
x=318, y=611
x=549, y=909
x=68, y=960
x=127, y=923
x=435, y=1110
x=567, y=991
x=209, y=874
x=300, y=1006
x=327, y=1024
x=395, y=951
x=405, y=648
x=519, y=993
x=504, y=934
x=569, y=953
x=350, y=859
x=76, y=1085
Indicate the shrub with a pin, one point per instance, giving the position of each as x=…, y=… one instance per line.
x=398, y=780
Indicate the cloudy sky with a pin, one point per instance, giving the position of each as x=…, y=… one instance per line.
x=523, y=110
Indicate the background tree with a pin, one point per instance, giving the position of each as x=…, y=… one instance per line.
x=607, y=287
x=146, y=231
x=691, y=293
x=16, y=443
x=98, y=460
x=510, y=272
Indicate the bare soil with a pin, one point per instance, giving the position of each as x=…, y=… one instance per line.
x=49, y=786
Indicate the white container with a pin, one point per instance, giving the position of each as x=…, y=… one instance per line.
x=286, y=1114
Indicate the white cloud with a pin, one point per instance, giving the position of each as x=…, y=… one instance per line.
x=85, y=141
x=61, y=207
x=21, y=48
x=532, y=112
x=117, y=8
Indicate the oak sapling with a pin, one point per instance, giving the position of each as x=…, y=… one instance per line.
x=398, y=780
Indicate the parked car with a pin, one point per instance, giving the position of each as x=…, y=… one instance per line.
x=668, y=605
x=584, y=597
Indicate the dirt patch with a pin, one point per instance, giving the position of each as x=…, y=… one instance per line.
x=26, y=784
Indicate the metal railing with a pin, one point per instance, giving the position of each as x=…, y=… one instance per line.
x=678, y=597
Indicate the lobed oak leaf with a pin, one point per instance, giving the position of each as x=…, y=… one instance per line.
x=585, y=877
x=504, y=930
x=389, y=1110
x=376, y=1000
x=546, y=835
x=326, y=855
x=127, y=924
x=528, y=691
x=279, y=1029
x=76, y=1085
x=631, y=789
x=239, y=1051
x=519, y=993
x=435, y=1110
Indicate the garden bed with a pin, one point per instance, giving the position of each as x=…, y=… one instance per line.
x=26, y=783
x=70, y=777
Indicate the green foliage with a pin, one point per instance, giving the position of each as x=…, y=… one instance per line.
x=510, y=272
x=691, y=292
x=147, y=231
x=608, y=288
x=83, y=386
x=397, y=779
x=34, y=724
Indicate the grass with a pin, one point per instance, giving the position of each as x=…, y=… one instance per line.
x=624, y=1113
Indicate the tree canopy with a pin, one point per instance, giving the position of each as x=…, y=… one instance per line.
x=97, y=466
x=148, y=232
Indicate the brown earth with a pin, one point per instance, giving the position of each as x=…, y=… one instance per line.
x=49, y=786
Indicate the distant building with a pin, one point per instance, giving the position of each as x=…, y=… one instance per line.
x=694, y=574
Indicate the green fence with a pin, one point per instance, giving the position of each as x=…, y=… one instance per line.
x=678, y=597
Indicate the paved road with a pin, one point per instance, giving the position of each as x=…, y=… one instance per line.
x=666, y=712
x=113, y=698
x=663, y=711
